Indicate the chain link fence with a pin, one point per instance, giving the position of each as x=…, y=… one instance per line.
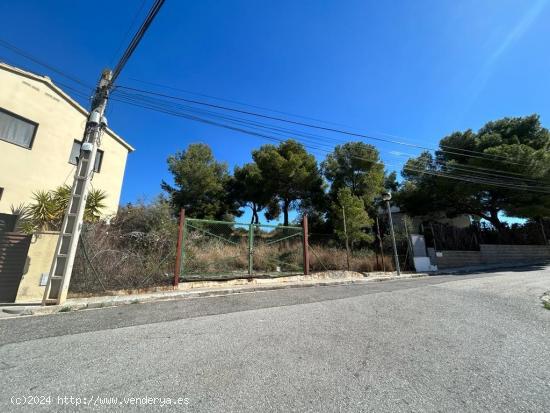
x=216, y=250
x=138, y=250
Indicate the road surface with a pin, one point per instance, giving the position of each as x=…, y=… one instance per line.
x=478, y=342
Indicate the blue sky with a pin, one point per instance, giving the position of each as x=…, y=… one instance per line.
x=414, y=69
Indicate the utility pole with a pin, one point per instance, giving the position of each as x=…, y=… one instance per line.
x=65, y=251
x=62, y=266
x=386, y=197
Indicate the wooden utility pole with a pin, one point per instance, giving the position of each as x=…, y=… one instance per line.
x=179, y=248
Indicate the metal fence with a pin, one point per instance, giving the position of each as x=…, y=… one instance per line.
x=148, y=249
x=226, y=250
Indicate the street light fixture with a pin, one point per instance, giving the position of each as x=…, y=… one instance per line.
x=386, y=196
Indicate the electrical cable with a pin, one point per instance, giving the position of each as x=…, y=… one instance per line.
x=274, y=128
x=466, y=178
x=34, y=59
x=477, y=154
x=155, y=8
x=132, y=23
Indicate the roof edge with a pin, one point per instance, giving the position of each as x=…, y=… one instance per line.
x=48, y=82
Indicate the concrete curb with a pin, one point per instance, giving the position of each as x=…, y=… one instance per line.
x=113, y=301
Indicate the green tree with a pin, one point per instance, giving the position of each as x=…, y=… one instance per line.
x=290, y=174
x=390, y=182
x=357, y=166
x=200, y=184
x=247, y=189
x=358, y=222
x=514, y=147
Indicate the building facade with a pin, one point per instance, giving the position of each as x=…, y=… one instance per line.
x=40, y=132
x=41, y=128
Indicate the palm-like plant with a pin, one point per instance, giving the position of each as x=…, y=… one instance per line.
x=94, y=205
x=43, y=210
x=24, y=221
x=61, y=196
x=47, y=209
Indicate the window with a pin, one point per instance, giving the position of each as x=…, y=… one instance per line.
x=16, y=129
x=75, y=153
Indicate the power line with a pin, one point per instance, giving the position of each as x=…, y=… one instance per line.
x=34, y=59
x=136, y=39
x=132, y=23
x=170, y=106
x=481, y=155
x=466, y=178
x=154, y=10
x=248, y=122
x=189, y=92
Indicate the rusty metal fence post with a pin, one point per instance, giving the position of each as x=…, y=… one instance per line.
x=179, y=249
x=251, y=249
x=306, y=245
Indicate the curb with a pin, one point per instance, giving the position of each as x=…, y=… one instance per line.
x=114, y=301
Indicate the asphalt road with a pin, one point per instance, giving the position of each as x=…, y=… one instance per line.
x=476, y=342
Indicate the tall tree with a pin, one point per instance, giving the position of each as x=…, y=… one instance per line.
x=200, y=183
x=290, y=175
x=247, y=188
x=509, y=151
x=357, y=166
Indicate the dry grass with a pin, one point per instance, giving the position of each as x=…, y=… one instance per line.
x=208, y=256
x=216, y=257
x=118, y=257
x=110, y=259
x=333, y=258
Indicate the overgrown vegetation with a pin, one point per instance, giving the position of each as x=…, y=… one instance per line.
x=46, y=210
x=135, y=250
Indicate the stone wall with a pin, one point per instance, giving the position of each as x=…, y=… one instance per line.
x=492, y=254
x=513, y=253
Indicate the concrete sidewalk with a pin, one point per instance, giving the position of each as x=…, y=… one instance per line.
x=199, y=289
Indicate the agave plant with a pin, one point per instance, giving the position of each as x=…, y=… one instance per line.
x=43, y=210
x=24, y=221
x=94, y=205
x=61, y=197
x=47, y=209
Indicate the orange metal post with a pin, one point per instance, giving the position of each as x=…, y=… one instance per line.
x=306, y=245
x=177, y=269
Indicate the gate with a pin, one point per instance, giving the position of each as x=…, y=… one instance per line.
x=13, y=256
x=216, y=250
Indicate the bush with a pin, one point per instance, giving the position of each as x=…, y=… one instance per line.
x=135, y=250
